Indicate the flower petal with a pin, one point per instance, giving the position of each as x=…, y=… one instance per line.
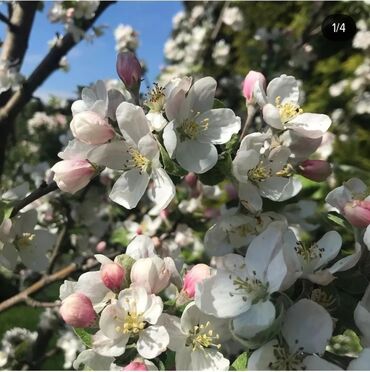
x=261, y=358
x=243, y=162
x=250, y=197
x=152, y=341
x=163, y=190
x=222, y=124
x=315, y=363
x=285, y=87
x=132, y=122
x=310, y=125
x=113, y=155
x=129, y=188
x=195, y=156
x=201, y=95
x=170, y=138
x=208, y=360
x=271, y=115
x=362, y=363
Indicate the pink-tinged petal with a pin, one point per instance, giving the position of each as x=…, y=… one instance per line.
x=113, y=155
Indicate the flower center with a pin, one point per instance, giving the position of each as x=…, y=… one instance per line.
x=190, y=129
x=308, y=252
x=250, y=288
x=137, y=161
x=287, y=110
x=24, y=241
x=201, y=336
x=156, y=98
x=287, y=171
x=259, y=173
x=326, y=300
x=285, y=361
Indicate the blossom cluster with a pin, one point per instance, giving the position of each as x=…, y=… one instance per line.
x=146, y=303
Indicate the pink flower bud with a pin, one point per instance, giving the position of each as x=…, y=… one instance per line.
x=136, y=365
x=315, y=170
x=77, y=311
x=164, y=213
x=101, y=246
x=194, y=276
x=72, y=175
x=129, y=69
x=250, y=81
x=357, y=213
x=191, y=179
x=231, y=191
x=150, y=273
x=89, y=127
x=113, y=276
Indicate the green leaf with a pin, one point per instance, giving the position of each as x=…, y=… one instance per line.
x=169, y=165
x=119, y=236
x=84, y=336
x=218, y=104
x=240, y=363
x=347, y=344
x=218, y=173
x=338, y=219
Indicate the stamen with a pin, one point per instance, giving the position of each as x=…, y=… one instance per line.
x=201, y=337
x=24, y=241
x=137, y=161
x=288, y=110
x=156, y=98
x=259, y=173
x=190, y=129
x=308, y=252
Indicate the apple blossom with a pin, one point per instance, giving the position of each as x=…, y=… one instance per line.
x=150, y=273
x=129, y=69
x=138, y=158
x=195, y=127
x=281, y=110
x=140, y=364
x=252, y=78
x=196, y=340
x=135, y=314
x=353, y=201
x=194, y=276
x=306, y=330
x=112, y=276
x=73, y=175
x=91, y=128
x=316, y=170
x=77, y=310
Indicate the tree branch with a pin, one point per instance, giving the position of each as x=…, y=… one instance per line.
x=37, y=194
x=47, y=66
x=3, y=18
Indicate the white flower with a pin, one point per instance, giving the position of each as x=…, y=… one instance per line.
x=126, y=38
x=281, y=109
x=196, y=340
x=195, y=128
x=148, y=226
x=221, y=53
x=314, y=258
x=93, y=361
x=71, y=345
x=306, y=330
x=262, y=168
x=138, y=157
x=245, y=282
x=234, y=18
x=23, y=240
x=134, y=314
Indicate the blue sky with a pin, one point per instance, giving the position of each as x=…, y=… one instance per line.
x=90, y=62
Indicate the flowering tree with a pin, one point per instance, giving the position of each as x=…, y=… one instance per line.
x=189, y=229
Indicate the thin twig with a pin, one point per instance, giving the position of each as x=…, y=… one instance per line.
x=251, y=111
x=218, y=25
x=56, y=249
x=44, y=189
x=5, y=19
x=34, y=303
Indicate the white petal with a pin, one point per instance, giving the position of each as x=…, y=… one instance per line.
x=157, y=120
x=76, y=150
x=111, y=319
x=243, y=162
x=362, y=316
x=201, y=95
x=330, y=245
x=273, y=187
x=338, y=197
x=141, y=247
x=93, y=361
x=113, y=155
x=195, y=156
x=8, y=256
x=222, y=124
x=362, y=363
x=276, y=272
x=115, y=97
x=278, y=158
x=183, y=359
x=315, y=363
x=307, y=325
x=163, y=190
x=132, y=122
x=129, y=188
x=271, y=115
x=261, y=358
x=154, y=309
x=347, y=262
x=177, y=336
x=217, y=296
x=250, y=197
x=292, y=188
x=258, y=318
x=170, y=138
x=208, y=360
x=285, y=87
x=108, y=347
x=152, y=341
x=148, y=147
x=310, y=125
x=137, y=295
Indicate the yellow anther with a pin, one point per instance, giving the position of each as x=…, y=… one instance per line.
x=308, y=252
x=138, y=160
x=259, y=173
x=287, y=110
x=24, y=241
